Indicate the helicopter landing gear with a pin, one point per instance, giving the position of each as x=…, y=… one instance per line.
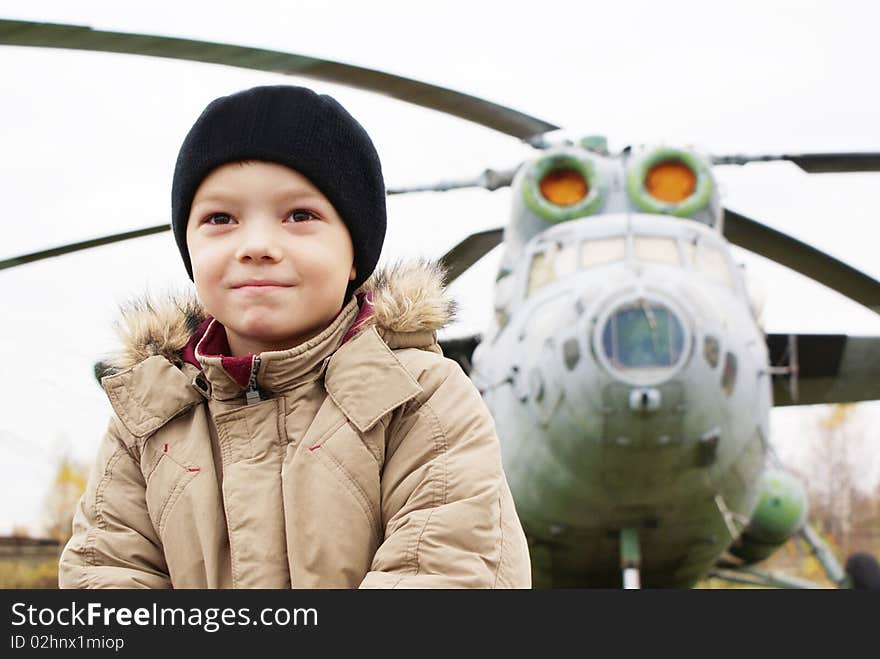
x=823, y=554
x=630, y=559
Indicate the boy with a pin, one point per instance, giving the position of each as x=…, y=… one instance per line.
x=297, y=424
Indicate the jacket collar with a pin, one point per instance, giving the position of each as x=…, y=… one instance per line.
x=209, y=344
x=277, y=371
x=408, y=305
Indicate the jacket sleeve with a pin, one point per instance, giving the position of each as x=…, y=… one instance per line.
x=114, y=544
x=449, y=517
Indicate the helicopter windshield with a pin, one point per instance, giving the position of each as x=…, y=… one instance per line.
x=657, y=250
x=561, y=260
x=643, y=335
x=546, y=267
x=710, y=261
x=602, y=251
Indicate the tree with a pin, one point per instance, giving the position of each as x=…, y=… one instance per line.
x=840, y=460
x=66, y=489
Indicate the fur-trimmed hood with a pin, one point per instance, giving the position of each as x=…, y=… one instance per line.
x=406, y=297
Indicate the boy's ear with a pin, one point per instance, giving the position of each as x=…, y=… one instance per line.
x=352, y=274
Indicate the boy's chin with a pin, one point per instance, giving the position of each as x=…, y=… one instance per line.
x=282, y=336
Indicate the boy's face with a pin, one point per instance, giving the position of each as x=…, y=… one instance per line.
x=266, y=222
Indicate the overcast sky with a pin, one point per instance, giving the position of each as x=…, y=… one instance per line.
x=90, y=139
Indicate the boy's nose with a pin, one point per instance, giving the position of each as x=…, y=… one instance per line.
x=258, y=243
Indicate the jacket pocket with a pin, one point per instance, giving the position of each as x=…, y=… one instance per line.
x=347, y=457
x=165, y=485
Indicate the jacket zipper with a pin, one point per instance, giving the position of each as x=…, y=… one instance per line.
x=252, y=395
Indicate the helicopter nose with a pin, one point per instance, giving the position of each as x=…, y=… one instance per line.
x=627, y=348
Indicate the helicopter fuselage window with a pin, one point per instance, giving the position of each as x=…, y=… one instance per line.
x=646, y=337
x=503, y=293
x=711, y=350
x=728, y=377
x=600, y=252
x=657, y=250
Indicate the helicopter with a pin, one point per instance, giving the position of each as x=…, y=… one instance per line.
x=625, y=365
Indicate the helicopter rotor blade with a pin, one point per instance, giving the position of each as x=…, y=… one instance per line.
x=814, y=163
x=490, y=179
x=792, y=253
x=458, y=259
x=465, y=106
x=830, y=368
x=78, y=246
x=469, y=251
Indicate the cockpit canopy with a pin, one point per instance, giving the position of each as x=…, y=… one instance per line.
x=560, y=259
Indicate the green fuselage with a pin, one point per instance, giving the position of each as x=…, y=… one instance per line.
x=630, y=393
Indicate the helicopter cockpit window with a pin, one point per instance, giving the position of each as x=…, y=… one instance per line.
x=540, y=273
x=600, y=252
x=710, y=261
x=548, y=266
x=644, y=336
x=657, y=250
x=565, y=260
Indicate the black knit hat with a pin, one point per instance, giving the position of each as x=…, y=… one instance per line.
x=308, y=132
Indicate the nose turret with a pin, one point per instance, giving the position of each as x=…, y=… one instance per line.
x=642, y=339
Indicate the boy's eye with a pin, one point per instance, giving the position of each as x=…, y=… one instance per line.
x=302, y=215
x=222, y=218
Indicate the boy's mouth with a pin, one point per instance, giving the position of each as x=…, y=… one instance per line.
x=255, y=283
x=262, y=289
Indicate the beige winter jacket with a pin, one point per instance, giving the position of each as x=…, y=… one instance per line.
x=371, y=461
